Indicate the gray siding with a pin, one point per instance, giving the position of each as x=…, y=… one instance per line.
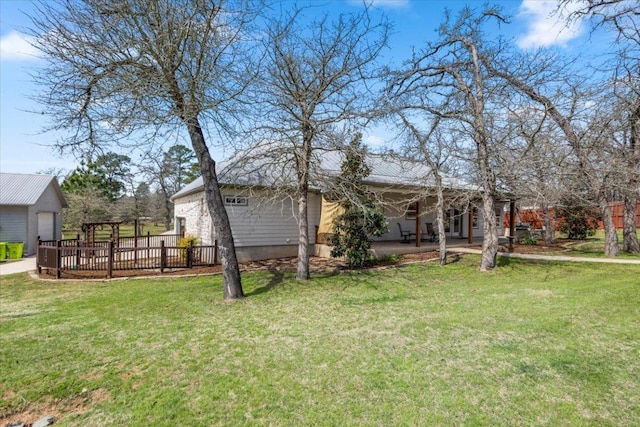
x=263, y=222
x=13, y=223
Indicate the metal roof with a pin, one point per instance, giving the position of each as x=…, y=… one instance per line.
x=19, y=189
x=260, y=168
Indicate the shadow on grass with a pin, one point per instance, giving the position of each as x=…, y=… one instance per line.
x=277, y=277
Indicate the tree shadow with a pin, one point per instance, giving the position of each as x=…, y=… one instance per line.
x=277, y=277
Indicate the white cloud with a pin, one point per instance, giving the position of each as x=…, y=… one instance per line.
x=17, y=47
x=545, y=27
x=374, y=141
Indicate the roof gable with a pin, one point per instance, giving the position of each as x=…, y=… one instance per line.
x=17, y=189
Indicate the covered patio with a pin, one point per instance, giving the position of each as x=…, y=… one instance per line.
x=382, y=248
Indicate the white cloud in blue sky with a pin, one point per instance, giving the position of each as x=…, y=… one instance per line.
x=15, y=46
x=545, y=27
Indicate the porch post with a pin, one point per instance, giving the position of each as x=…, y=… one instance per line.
x=418, y=231
x=512, y=223
x=470, y=226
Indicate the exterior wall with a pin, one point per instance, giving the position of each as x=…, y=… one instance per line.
x=48, y=202
x=13, y=223
x=263, y=229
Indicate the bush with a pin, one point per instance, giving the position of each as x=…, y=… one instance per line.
x=184, y=243
x=578, y=223
x=529, y=241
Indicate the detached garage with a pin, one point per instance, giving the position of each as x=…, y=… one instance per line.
x=30, y=206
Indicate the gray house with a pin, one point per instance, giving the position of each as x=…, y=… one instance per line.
x=265, y=225
x=30, y=206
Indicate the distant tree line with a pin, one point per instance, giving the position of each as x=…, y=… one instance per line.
x=112, y=187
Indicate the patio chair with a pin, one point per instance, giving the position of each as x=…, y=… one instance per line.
x=405, y=234
x=433, y=236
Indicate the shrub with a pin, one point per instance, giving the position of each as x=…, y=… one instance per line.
x=184, y=243
x=578, y=223
x=529, y=241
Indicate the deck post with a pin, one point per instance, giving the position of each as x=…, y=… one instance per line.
x=78, y=253
x=418, y=228
x=110, y=259
x=163, y=256
x=215, y=252
x=190, y=254
x=470, y=227
x=58, y=258
x=39, y=269
x=512, y=223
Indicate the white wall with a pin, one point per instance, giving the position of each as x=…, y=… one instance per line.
x=49, y=201
x=263, y=222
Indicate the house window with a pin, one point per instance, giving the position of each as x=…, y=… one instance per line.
x=235, y=200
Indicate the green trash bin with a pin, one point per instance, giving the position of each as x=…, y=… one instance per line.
x=3, y=250
x=15, y=250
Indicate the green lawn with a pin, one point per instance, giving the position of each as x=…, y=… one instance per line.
x=530, y=343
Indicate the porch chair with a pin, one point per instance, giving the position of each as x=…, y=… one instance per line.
x=405, y=234
x=433, y=236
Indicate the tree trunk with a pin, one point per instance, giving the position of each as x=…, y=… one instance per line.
x=302, y=272
x=442, y=236
x=610, y=234
x=490, y=239
x=232, y=285
x=549, y=225
x=629, y=230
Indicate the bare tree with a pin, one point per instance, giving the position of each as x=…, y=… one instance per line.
x=432, y=149
x=622, y=17
x=456, y=87
x=316, y=79
x=123, y=71
x=566, y=98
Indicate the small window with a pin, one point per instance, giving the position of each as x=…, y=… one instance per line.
x=236, y=201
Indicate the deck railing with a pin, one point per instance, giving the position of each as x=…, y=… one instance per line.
x=134, y=253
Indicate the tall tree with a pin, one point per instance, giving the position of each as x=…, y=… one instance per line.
x=316, y=78
x=170, y=171
x=564, y=98
x=454, y=86
x=621, y=16
x=362, y=216
x=124, y=71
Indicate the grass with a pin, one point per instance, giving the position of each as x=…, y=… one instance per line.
x=594, y=246
x=530, y=343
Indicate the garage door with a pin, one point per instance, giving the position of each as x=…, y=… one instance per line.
x=46, y=225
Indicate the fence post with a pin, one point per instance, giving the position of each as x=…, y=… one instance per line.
x=58, y=258
x=190, y=254
x=39, y=269
x=163, y=256
x=148, y=242
x=78, y=253
x=215, y=252
x=110, y=259
x=135, y=245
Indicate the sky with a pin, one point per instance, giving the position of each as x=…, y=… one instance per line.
x=24, y=148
